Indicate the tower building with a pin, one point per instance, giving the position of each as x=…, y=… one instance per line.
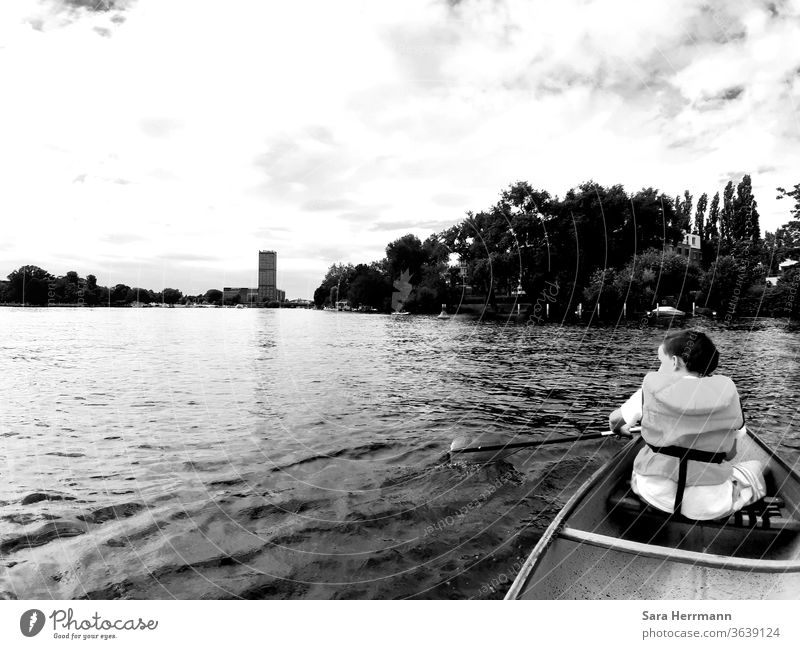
x=267, y=272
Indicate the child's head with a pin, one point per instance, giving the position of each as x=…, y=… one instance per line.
x=696, y=351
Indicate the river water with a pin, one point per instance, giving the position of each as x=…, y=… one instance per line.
x=223, y=453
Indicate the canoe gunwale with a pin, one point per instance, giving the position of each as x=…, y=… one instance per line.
x=680, y=556
x=559, y=529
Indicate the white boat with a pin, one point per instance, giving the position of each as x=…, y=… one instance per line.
x=664, y=313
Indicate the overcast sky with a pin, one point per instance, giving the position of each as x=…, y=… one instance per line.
x=163, y=142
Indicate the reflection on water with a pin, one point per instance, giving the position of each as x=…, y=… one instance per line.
x=261, y=453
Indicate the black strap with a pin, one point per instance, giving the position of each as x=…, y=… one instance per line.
x=684, y=455
x=690, y=454
x=683, y=467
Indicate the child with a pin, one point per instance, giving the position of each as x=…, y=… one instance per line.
x=690, y=422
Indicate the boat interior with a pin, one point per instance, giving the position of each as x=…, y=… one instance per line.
x=768, y=530
x=608, y=544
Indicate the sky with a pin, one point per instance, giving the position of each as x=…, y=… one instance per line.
x=163, y=143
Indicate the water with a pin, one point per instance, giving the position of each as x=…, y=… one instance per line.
x=222, y=453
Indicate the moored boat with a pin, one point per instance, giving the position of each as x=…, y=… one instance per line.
x=666, y=315
x=607, y=544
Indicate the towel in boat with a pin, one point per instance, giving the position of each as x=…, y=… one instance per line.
x=705, y=502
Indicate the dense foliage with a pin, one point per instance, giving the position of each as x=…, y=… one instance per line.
x=34, y=286
x=596, y=244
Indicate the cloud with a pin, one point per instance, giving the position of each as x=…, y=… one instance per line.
x=324, y=138
x=327, y=204
x=411, y=225
x=97, y=5
x=450, y=199
x=731, y=93
x=358, y=217
x=190, y=257
x=333, y=253
x=271, y=230
x=57, y=14
x=121, y=238
x=159, y=127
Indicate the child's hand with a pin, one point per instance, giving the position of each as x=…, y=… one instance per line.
x=616, y=422
x=739, y=435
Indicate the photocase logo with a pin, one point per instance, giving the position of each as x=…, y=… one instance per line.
x=403, y=288
x=31, y=622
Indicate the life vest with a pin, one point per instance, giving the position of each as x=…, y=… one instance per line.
x=689, y=425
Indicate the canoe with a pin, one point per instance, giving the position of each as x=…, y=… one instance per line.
x=606, y=544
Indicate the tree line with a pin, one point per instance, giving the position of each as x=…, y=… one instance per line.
x=596, y=244
x=34, y=286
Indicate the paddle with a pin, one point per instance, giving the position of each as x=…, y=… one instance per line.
x=456, y=449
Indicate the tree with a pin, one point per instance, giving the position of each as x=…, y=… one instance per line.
x=214, y=296
x=700, y=215
x=723, y=284
x=726, y=216
x=171, y=295
x=369, y=288
x=654, y=222
x=320, y=295
x=593, y=227
x=604, y=288
x=795, y=209
x=137, y=294
x=788, y=240
x=336, y=282
x=686, y=212
x=405, y=253
x=710, y=243
x=119, y=294
x=522, y=199
x=712, y=232
x=99, y=296
x=657, y=277
x=29, y=285
x=745, y=220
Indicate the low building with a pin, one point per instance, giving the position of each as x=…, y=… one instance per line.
x=782, y=268
x=689, y=248
x=245, y=295
x=299, y=303
x=230, y=294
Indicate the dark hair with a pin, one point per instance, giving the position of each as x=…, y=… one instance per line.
x=695, y=348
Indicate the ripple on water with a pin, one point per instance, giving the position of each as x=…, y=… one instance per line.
x=302, y=454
